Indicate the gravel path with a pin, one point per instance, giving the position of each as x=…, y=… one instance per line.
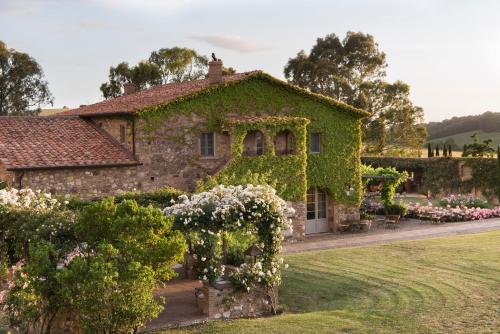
x=410, y=230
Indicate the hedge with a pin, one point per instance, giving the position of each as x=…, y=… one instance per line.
x=441, y=174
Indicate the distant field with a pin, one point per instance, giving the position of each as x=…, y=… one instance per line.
x=464, y=138
x=50, y=112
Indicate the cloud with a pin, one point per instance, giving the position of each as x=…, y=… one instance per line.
x=231, y=42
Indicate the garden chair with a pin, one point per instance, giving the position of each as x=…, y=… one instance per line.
x=391, y=221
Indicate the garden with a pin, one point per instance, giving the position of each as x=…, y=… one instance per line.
x=381, y=199
x=92, y=267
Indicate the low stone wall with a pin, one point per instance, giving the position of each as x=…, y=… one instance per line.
x=222, y=301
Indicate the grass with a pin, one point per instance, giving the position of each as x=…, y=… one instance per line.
x=464, y=138
x=442, y=285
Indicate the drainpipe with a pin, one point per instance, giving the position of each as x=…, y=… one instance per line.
x=19, y=177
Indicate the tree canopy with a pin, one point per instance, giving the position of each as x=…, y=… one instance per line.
x=163, y=66
x=352, y=70
x=23, y=89
x=478, y=149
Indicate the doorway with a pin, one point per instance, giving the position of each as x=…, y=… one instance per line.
x=317, y=221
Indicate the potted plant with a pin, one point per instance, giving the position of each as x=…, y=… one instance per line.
x=365, y=220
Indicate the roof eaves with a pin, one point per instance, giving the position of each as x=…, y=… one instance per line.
x=29, y=168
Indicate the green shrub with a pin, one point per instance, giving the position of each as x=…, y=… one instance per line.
x=103, y=266
x=237, y=243
x=396, y=209
x=158, y=198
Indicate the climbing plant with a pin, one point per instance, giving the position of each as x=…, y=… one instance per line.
x=335, y=169
x=391, y=179
x=256, y=210
x=441, y=175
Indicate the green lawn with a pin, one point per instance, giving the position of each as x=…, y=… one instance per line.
x=443, y=285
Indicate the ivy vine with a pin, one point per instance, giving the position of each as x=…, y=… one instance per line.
x=336, y=169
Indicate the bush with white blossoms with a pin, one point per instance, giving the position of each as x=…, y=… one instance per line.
x=27, y=199
x=254, y=209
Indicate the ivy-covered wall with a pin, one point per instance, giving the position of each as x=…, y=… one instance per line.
x=335, y=169
x=442, y=174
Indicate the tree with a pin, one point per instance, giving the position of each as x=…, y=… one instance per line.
x=163, y=66
x=142, y=75
x=445, y=151
x=437, y=150
x=353, y=71
x=429, y=151
x=450, y=154
x=23, y=89
x=179, y=64
x=477, y=149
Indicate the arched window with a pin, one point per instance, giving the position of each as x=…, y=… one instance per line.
x=284, y=143
x=253, y=144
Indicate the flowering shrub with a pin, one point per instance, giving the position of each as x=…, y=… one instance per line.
x=110, y=255
x=27, y=198
x=452, y=214
x=254, y=209
x=468, y=201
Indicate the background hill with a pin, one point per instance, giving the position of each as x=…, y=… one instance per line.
x=457, y=130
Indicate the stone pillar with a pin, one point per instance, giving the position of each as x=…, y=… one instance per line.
x=298, y=220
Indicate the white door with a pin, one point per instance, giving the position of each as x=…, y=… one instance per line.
x=317, y=221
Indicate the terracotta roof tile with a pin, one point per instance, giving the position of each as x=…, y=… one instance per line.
x=134, y=102
x=57, y=142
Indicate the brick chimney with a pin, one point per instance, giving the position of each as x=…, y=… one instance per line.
x=129, y=88
x=215, y=72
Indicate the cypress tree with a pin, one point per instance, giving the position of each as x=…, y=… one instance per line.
x=449, y=151
x=437, y=150
x=429, y=150
x=445, y=151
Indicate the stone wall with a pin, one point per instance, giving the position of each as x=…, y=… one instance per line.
x=298, y=220
x=85, y=183
x=112, y=125
x=223, y=302
x=171, y=154
x=338, y=213
x=6, y=176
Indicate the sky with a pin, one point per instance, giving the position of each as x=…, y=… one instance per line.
x=447, y=50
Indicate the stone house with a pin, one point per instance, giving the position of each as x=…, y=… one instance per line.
x=228, y=127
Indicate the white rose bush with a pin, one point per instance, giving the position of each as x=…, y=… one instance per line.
x=255, y=209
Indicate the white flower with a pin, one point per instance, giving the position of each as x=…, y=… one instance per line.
x=203, y=259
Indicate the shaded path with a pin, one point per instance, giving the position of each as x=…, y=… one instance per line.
x=379, y=235
x=180, y=308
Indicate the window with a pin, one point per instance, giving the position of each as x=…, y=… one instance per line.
x=207, y=144
x=315, y=143
x=122, y=134
x=259, y=143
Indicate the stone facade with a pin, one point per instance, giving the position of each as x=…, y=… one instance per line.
x=338, y=213
x=222, y=301
x=85, y=183
x=170, y=156
x=120, y=128
x=298, y=220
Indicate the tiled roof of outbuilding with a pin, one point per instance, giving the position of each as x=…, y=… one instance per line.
x=58, y=142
